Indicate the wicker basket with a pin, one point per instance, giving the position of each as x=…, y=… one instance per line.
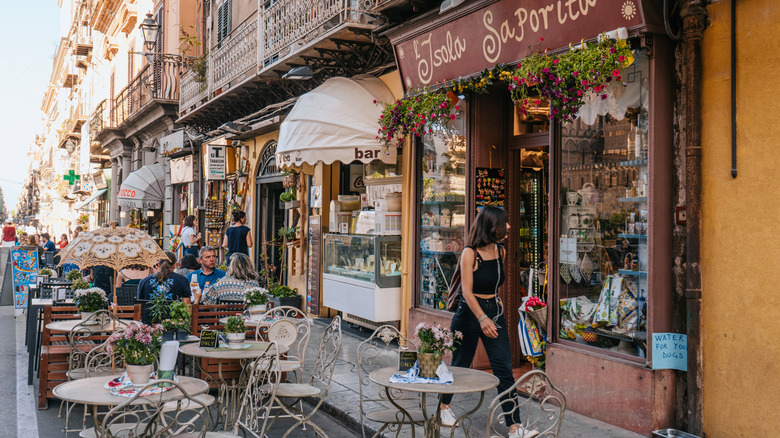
x=540, y=316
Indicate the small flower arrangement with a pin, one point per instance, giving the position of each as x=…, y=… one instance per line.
x=74, y=275
x=534, y=303
x=235, y=324
x=412, y=114
x=179, y=318
x=435, y=339
x=79, y=284
x=140, y=344
x=45, y=271
x=90, y=300
x=255, y=296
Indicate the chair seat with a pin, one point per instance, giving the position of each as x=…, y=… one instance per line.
x=220, y=435
x=115, y=428
x=206, y=399
x=286, y=366
x=297, y=390
x=80, y=373
x=393, y=416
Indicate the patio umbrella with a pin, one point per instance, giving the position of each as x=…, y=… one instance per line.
x=114, y=247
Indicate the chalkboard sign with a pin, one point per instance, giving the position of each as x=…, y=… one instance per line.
x=406, y=359
x=208, y=339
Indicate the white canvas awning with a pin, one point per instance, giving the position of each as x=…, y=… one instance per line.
x=144, y=188
x=337, y=121
x=83, y=205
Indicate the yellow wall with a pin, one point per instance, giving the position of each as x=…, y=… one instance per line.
x=741, y=225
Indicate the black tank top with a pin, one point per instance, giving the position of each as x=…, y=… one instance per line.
x=488, y=273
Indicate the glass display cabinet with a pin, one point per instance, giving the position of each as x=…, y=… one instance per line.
x=362, y=276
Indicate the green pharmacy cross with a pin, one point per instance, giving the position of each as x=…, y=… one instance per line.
x=71, y=177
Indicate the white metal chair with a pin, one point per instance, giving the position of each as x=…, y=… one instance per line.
x=290, y=327
x=288, y=395
x=532, y=399
x=380, y=350
x=257, y=400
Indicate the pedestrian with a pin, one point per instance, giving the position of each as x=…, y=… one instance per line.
x=189, y=238
x=238, y=237
x=188, y=264
x=480, y=313
x=164, y=281
x=78, y=230
x=63, y=241
x=9, y=234
x=241, y=275
x=32, y=240
x=207, y=274
x=131, y=276
x=48, y=245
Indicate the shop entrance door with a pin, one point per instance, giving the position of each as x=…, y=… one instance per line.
x=269, y=212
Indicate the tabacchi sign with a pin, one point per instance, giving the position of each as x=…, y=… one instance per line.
x=507, y=31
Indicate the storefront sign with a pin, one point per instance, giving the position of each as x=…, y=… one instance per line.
x=172, y=143
x=670, y=351
x=216, y=162
x=181, y=170
x=568, y=248
x=504, y=32
x=314, y=265
x=25, y=267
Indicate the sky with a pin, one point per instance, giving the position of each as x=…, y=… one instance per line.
x=29, y=36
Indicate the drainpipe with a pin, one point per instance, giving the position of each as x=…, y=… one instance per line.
x=694, y=21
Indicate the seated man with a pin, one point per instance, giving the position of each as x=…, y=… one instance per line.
x=164, y=281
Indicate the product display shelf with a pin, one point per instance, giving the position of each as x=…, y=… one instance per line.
x=441, y=227
x=442, y=202
x=427, y=252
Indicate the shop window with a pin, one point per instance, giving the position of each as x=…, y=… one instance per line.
x=603, y=245
x=442, y=218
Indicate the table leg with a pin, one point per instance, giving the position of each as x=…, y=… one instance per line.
x=406, y=413
x=465, y=421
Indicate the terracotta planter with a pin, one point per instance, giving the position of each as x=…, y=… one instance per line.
x=236, y=340
x=139, y=374
x=428, y=363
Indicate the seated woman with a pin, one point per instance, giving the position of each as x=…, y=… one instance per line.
x=131, y=277
x=188, y=263
x=240, y=276
x=165, y=282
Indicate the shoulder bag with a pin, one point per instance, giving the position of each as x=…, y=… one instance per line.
x=455, y=291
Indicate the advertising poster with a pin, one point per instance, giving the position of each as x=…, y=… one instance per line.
x=25, y=269
x=490, y=187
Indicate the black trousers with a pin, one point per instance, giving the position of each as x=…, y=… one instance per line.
x=498, y=349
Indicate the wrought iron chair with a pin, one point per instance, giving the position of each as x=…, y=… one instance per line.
x=538, y=402
x=289, y=395
x=380, y=350
x=290, y=327
x=257, y=400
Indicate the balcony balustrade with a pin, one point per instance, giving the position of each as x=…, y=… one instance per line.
x=100, y=119
x=236, y=54
x=156, y=81
x=192, y=91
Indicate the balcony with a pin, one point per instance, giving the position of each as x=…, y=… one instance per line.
x=100, y=120
x=193, y=92
x=158, y=81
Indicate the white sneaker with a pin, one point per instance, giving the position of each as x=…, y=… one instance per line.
x=521, y=432
x=447, y=417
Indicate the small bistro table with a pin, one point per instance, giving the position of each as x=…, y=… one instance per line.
x=230, y=391
x=93, y=393
x=465, y=380
x=68, y=325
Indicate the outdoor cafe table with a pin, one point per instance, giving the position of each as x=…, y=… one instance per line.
x=465, y=381
x=230, y=392
x=68, y=325
x=93, y=393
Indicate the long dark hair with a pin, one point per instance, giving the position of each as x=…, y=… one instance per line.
x=189, y=221
x=166, y=267
x=489, y=227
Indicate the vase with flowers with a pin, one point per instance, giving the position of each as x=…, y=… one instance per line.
x=537, y=310
x=434, y=341
x=256, y=301
x=89, y=301
x=235, y=331
x=140, y=346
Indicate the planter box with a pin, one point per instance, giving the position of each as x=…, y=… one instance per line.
x=287, y=301
x=292, y=204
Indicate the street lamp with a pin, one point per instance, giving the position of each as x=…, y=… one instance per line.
x=150, y=28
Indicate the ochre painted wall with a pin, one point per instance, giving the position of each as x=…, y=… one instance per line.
x=741, y=225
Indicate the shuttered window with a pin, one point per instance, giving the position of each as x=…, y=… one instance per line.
x=158, y=60
x=223, y=22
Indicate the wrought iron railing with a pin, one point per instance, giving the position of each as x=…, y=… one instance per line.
x=156, y=81
x=287, y=21
x=100, y=119
x=236, y=54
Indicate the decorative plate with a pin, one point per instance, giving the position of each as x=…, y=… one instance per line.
x=586, y=267
x=565, y=273
x=573, y=221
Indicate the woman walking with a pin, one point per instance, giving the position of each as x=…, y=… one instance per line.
x=480, y=313
x=189, y=239
x=241, y=275
x=238, y=237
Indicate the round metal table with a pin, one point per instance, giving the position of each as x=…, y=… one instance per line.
x=465, y=380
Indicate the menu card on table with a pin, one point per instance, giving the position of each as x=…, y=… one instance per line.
x=209, y=339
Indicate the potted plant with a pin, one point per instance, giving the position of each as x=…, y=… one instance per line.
x=140, y=346
x=179, y=322
x=156, y=310
x=74, y=275
x=89, y=300
x=434, y=341
x=256, y=300
x=283, y=295
x=235, y=330
x=43, y=275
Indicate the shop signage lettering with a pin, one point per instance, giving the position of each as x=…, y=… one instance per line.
x=216, y=162
x=670, y=351
x=505, y=32
x=360, y=154
x=126, y=193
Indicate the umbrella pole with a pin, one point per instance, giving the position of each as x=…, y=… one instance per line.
x=113, y=295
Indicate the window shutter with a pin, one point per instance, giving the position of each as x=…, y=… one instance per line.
x=223, y=21
x=158, y=60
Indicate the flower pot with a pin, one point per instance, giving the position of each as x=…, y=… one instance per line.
x=182, y=335
x=86, y=315
x=287, y=301
x=428, y=363
x=236, y=340
x=257, y=310
x=292, y=204
x=139, y=374
x=169, y=335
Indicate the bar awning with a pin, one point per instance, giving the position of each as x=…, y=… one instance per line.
x=337, y=121
x=83, y=205
x=144, y=188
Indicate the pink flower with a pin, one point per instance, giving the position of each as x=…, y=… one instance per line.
x=615, y=73
x=621, y=58
x=603, y=97
x=555, y=62
x=579, y=92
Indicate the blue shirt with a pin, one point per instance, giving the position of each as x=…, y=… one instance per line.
x=237, y=240
x=49, y=246
x=203, y=278
x=175, y=287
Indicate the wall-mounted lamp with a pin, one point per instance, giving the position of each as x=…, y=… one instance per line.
x=150, y=213
x=150, y=28
x=301, y=73
x=122, y=214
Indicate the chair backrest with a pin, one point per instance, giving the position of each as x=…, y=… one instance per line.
x=380, y=350
x=132, y=311
x=288, y=326
x=56, y=313
x=257, y=400
x=99, y=361
x=327, y=355
x=151, y=419
x=208, y=315
x=48, y=257
x=535, y=400
x=125, y=295
x=88, y=334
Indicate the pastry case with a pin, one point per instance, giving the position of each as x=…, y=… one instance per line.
x=362, y=275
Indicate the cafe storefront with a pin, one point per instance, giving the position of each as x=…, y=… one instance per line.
x=588, y=196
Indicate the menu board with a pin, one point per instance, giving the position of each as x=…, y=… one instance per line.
x=208, y=339
x=25, y=268
x=490, y=187
x=314, y=265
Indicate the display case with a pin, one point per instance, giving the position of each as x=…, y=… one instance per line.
x=362, y=275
